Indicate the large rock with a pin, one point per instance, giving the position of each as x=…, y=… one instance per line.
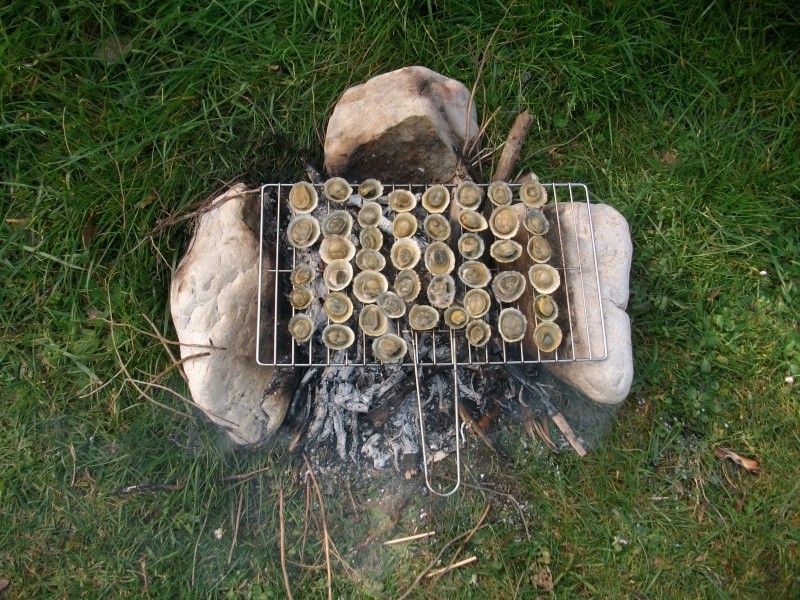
x=408, y=126
x=214, y=297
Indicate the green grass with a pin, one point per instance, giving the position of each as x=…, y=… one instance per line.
x=683, y=116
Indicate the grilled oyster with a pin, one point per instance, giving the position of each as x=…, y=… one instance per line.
x=338, y=307
x=336, y=222
x=539, y=249
x=455, y=317
x=499, y=193
x=370, y=260
x=436, y=199
x=369, y=189
x=439, y=259
x=392, y=304
x=422, y=317
x=504, y=222
x=508, y=286
x=300, y=328
x=401, y=201
x=533, y=194
x=478, y=333
x=405, y=254
x=338, y=275
x=512, y=324
x=303, y=231
x=336, y=247
x=474, y=274
x=472, y=221
x=468, y=195
x=338, y=337
x=544, y=278
x=371, y=238
x=303, y=197
x=437, y=227
x=368, y=285
x=389, y=348
x=407, y=284
x=372, y=321
x=535, y=222
x=477, y=303
x=404, y=225
x=336, y=189
x=370, y=214
x=471, y=246
x=505, y=251
x=547, y=336
x=545, y=308
x=441, y=291
x=302, y=275
x=300, y=297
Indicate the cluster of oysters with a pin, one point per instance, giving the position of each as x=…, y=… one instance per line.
x=380, y=306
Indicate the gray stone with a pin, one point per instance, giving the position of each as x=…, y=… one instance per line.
x=410, y=124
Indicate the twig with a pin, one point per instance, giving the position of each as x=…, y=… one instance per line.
x=451, y=567
x=452, y=564
x=244, y=476
x=326, y=544
x=513, y=147
x=236, y=525
x=196, y=546
x=507, y=495
x=283, y=548
x=305, y=518
x=409, y=538
x=472, y=425
x=164, y=343
x=145, y=579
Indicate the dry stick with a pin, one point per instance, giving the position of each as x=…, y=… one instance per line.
x=236, y=526
x=283, y=548
x=164, y=343
x=178, y=364
x=409, y=538
x=473, y=426
x=324, y=526
x=513, y=147
x=244, y=476
x=510, y=497
x=305, y=518
x=452, y=564
x=451, y=567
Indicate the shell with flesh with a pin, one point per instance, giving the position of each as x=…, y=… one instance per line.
x=472, y=221
x=508, y=286
x=478, y=333
x=505, y=251
x=512, y=324
x=539, y=249
x=392, y=304
x=533, y=194
x=368, y=285
x=407, y=284
x=336, y=189
x=504, y=222
x=474, y=274
x=338, y=307
x=437, y=227
x=422, y=317
x=336, y=222
x=302, y=275
x=303, y=231
x=499, y=193
x=405, y=254
x=468, y=195
x=404, y=225
x=370, y=260
x=544, y=278
x=369, y=189
x=471, y=246
x=370, y=214
x=373, y=321
x=300, y=328
x=303, y=197
x=455, y=317
x=300, y=297
x=439, y=259
x=401, y=201
x=338, y=275
x=371, y=238
x=547, y=336
x=477, y=303
x=436, y=199
x=336, y=247
x=545, y=308
x=338, y=337
x=389, y=348
x=441, y=291
x=535, y=222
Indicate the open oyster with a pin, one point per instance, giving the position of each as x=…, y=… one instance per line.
x=439, y=259
x=302, y=275
x=535, y=222
x=533, y=194
x=303, y=197
x=404, y=225
x=389, y=348
x=499, y=193
x=303, y=231
x=474, y=274
x=300, y=297
x=405, y=254
x=368, y=285
x=372, y=321
x=422, y=317
x=437, y=227
x=371, y=238
x=477, y=303
x=441, y=291
x=508, y=286
x=336, y=247
x=369, y=189
x=401, y=201
x=336, y=222
x=539, y=249
x=407, y=284
x=471, y=246
x=468, y=195
x=472, y=221
x=544, y=278
x=504, y=222
x=547, y=336
x=338, y=337
x=370, y=214
x=392, y=304
x=338, y=275
x=436, y=199
x=338, y=307
x=505, y=251
x=301, y=327
x=478, y=333
x=336, y=189
x=455, y=317
x=545, y=308
x=370, y=260
x=512, y=324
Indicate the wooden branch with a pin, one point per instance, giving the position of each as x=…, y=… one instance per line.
x=513, y=147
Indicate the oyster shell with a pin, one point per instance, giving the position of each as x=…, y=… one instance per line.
x=474, y=274
x=303, y=231
x=436, y=199
x=547, y=336
x=303, y=197
x=371, y=238
x=404, y=225
x=407, y=284
x=477, y=303
x=455, y=317
x=512, y=324
x=504, y=222
x=478, y=333
x=338, y=307
x=370, y=214
x=369, y=189
x=439, y=259
x=336, y=222
x=300, y=297
x=392, y=304
x=401, y=201
x=422, y=317
x=300, y=328
x=338, y=337
x=499, y=193
x=336, y=247
x=368, y=285
x=471, y=246
x=505, y=251
x=336, y=189
x=302, y=275
x=545, y=308
x=533, y=194
x=535, y=222
x=539, y=249
x=373, y=321
x=338, y=275
x=405, y=254
x=441, y=291
x=437, y=227
x=389, y=348
x=472, y=221
x=508, y=286
x=468, y=195
x=544, y=278
x=370, y=260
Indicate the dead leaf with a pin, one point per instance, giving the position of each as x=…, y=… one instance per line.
x=87, y=233
x=750, y=464
x=542, y=578
x=669, y=157
x=147, y=200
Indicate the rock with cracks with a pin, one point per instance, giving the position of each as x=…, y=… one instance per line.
x=214, y=297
